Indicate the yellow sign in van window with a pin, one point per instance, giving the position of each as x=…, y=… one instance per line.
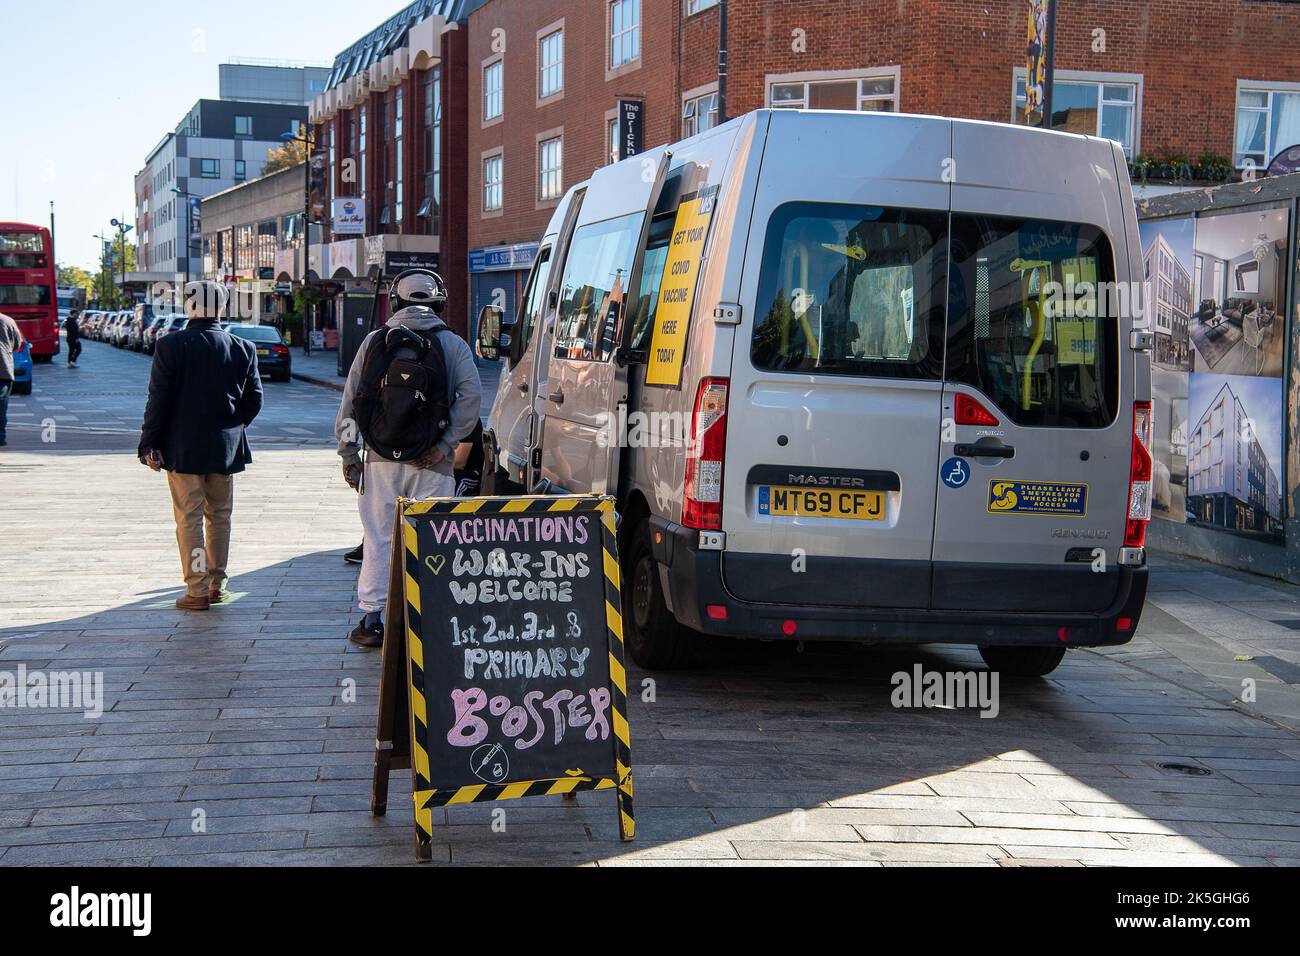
x=677, y=290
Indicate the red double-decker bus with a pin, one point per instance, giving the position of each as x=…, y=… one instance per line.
x=27, y=289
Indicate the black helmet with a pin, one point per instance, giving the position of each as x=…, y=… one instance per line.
x=422, y=287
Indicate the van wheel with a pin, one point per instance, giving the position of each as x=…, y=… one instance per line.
x=655, y=639
x=1022, y=661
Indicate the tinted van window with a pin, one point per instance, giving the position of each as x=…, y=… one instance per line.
x=1025, y=325
x=852, y=290
x=595, y=286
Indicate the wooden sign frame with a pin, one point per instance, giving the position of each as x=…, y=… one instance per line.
x=401, y=730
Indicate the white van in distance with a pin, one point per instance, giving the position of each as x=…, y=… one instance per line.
x=849, y=377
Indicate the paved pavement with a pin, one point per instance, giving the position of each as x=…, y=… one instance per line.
x=244, y=735
x=98, y=406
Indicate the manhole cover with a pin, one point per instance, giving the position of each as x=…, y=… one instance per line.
x=1185, y=768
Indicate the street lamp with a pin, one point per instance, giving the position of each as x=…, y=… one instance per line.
x=105, y=267
x=189, y=225
x=122, y=230
x=293, y=137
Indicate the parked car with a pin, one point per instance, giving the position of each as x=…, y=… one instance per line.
x=273, y=357
x=847, y=364
x=172, y=323
x=135, y=333
x=23, y=370
x=122, y=328
x=89, y=323
x=150, y=334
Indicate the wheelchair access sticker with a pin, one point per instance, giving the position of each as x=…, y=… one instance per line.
x=1008, y=496
x=955, y=472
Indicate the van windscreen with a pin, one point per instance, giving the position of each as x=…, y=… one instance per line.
x=852, y=290
x=1033, y=319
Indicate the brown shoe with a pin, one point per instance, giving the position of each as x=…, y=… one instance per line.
x=218, y=595
x=192, y=602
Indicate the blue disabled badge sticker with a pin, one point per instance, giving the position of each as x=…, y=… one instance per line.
x=955, y=472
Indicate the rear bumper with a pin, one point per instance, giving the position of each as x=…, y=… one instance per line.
x=695, y=581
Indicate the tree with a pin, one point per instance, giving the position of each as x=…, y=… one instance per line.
x=75, y=276
x=292, y=153
x=105, y=282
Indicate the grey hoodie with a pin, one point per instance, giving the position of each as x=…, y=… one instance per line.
x=466, y=388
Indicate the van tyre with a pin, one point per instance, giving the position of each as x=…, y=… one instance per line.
x=1018, y=662
x=654, y=638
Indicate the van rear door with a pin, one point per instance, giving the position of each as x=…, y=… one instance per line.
x=829, y=477
x=1034, y=466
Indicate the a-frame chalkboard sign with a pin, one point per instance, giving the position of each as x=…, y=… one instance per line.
x=504, y=677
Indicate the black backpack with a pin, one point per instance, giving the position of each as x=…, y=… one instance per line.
x=403, y=403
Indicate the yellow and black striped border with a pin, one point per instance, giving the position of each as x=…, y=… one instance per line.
x=425, y=795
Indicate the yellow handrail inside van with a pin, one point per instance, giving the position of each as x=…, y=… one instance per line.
x=801, y=254
x=1035, y=309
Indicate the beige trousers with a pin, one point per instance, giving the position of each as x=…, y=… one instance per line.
x=202, y=506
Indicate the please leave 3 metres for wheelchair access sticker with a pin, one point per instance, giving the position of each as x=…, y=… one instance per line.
x=1010, y=496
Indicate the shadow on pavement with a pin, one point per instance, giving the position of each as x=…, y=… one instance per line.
x=248, y=714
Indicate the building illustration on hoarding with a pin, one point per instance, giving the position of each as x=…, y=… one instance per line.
x=1170, y=286
x=1231, y=481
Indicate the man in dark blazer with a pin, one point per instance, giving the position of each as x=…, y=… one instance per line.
x=204, y=391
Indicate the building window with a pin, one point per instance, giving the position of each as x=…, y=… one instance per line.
x=695, y=6
x=241, y=169
x=243, y=126
x=398, y=179
x=266, y=243
x=1094, y=104
x=430, y=205
x=550, y=64
x=624, y=32
x=872, y=91
x=700, y=113
x=209, y=168
x=333, y=170
x=492, y=171
x=492, y=90
x=1268, y=121
x=361, y=141
x=613, y=140
x=550, y=167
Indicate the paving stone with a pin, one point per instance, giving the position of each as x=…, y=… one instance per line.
x=766, y=757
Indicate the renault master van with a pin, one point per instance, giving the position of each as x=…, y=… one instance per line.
x=850, y=376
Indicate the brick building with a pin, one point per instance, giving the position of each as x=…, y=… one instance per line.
x=1215, y=89
x=383, y=122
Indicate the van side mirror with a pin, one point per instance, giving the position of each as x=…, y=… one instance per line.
x=488, y=344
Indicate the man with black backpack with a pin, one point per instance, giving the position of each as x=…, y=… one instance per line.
x=412, y=394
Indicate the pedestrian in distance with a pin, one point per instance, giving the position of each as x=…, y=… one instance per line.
x=11, y=341
x=412, y=394
x=204, y=392
x=72, y=328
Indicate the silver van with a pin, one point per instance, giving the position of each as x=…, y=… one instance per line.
x=851, y=376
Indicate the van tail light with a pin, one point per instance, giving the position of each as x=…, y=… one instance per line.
x=1139, y=478
x=969, y=411
x=702, y=504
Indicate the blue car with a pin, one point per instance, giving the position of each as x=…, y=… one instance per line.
x=23, y=370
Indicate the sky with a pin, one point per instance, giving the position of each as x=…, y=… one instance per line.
x=91, y=87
